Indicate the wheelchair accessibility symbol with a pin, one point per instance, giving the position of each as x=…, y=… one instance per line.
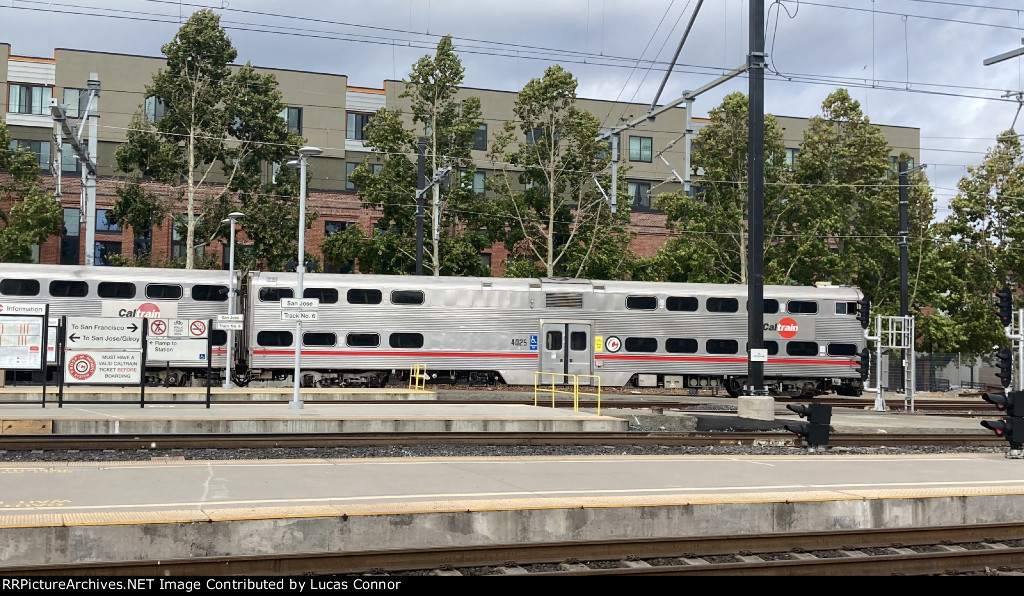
x=533, y=342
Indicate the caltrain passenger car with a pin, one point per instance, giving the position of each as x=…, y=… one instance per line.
x=128, y=292
x=372, y=329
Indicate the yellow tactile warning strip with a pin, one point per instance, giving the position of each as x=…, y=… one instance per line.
x=494, y=505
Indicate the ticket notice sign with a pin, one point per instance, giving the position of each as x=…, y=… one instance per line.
x=21, y=342
x=103, y=367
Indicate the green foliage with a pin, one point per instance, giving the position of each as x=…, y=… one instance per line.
x=34, y=215
x=212, y=119
x=559, y=222
x=447, y=124
x=710, y=228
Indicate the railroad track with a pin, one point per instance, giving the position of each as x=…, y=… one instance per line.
x=342, y=440
x=945, y=550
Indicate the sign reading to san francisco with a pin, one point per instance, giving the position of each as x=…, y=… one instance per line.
x=104, y=333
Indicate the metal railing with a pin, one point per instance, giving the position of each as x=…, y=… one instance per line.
x=568, y=380
x=418, y=376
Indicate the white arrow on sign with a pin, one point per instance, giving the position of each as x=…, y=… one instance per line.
x=115, y=333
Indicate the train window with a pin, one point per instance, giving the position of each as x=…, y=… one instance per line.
x=364, y=296
x=274, y=338
x=578, y=340
x=275, y=294
x=846, y=308
x=771, y=306
x=802, y=307
x=802, y=348
x=684, y=303
x=115, y=289
x=324, y=295
x=640, y=344
x=68, y=289
x=319, y=339
x=553, y=340
x=772, y=347
x=407, y=297
x=406, y=340
x=205, y=293
x=842, y=349
x=363, y=340
x=722, y=346
x=680, y=345
x=723, y=304
x=220, y=337
x=642, y=302
x=166, y=291
x=19, y=287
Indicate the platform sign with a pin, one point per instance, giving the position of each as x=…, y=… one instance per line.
x=229, y=322
x=110, y=333
x=177, y=328
x=95, y=367
x=52, y=330
x=192, y=350
x=21, y=341
x=300, y=303
x=299, y=315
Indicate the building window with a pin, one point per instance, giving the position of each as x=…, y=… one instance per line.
x=535, y=135
x=478, y=183
x=485, y=259
x=29, y=99
x=640, y=194
x=105, y=221
x=69, y=252
x=791, y=158
x=640, y=149
x=41, y=149
x=68, y=159
x=105, y=250
x=357, y=122
x=178, y=244
x=332, y=227
x=76, y=101
x=480, y=138
x=293, y=116
x=155, y=109
x=349, y=168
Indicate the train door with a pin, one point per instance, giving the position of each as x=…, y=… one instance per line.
x=566, y=348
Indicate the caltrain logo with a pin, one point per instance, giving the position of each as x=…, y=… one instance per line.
x=787, y=328
x=146, y=310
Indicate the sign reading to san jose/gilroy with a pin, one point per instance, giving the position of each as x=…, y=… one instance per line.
x=104, y=333
x=103, y=367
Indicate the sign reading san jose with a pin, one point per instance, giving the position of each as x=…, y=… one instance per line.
x=101, y=366
x=104, y=333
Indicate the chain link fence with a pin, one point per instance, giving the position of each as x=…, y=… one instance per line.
x=956, y=372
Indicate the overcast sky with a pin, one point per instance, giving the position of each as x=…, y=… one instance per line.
x=916, y=63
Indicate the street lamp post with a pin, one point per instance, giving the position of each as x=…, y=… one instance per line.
x=231, y=294
x=300, y=265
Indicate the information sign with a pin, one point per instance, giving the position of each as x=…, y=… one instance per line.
x=104, y=333
x=21, y=342
x=192, y=350
x=177, y=328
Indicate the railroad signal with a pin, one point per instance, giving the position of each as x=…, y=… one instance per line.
x=1010, y=428
x=865, y=363
x=1007, y=403
x=1005, y=303
x=1005, y=364
x=816, y=432
x=864, y=312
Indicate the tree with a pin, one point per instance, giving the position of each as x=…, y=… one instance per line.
x=711, y=243
x=559, y=221
x=979, y=241
x=30, y=215
x=456, y=227
x=211, y=119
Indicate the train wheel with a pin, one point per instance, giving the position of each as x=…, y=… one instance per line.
x=733, y=387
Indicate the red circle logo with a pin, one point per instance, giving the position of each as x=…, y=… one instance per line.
x=787, y=328
x=149, y=310
x=82, y=366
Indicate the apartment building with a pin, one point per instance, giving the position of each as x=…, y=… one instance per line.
x=330, y=114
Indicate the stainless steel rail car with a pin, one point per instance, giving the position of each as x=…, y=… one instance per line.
x=129, y=292
x=372, y=329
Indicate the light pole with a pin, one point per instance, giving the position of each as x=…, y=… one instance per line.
x=300, y=264
x=231, y=294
